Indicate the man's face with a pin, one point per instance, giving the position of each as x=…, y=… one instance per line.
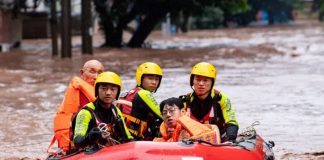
x=202, y=84
x=107, y=93
x=90, y=74
x=170, y=115
x=150, y=82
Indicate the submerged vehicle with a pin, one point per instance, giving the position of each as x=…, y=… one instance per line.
x=248, y=146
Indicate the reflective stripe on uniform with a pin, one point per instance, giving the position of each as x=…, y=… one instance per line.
x=121, y=101
x=149, y=99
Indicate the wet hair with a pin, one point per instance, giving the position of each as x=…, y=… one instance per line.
x=171, y=101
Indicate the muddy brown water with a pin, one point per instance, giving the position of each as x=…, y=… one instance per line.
x=274, y=75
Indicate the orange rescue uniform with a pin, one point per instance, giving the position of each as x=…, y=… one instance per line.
x=78, y=92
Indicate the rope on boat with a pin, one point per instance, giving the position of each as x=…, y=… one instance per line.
x=250, y=132
x=106, y=135
x=199, y=140
x=60, y=157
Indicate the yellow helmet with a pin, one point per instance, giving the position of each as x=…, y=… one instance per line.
x=203, y=69
x=108, y=77
x=148, y=68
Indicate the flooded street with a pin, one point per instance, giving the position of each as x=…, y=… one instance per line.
x=274, y=75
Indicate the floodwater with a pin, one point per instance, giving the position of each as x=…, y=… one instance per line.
x=274, y=75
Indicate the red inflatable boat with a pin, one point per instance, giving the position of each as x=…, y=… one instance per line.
x=247, y=148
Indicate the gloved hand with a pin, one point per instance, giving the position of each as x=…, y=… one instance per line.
x=94, y=134
x=155, y=128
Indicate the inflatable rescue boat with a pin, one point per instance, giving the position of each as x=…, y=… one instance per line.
x=247, y=147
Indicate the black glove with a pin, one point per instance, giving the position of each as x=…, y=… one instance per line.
x=93, y=135
x=155, y=128
x=231, y=132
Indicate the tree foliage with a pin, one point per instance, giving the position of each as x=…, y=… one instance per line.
x=115, y=15
x=318, y=5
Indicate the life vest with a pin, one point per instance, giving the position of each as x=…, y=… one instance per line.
x=125, y=104
x=195, y=129
x=91, y=108
x=214, y=116
x=164, y=133
x=116, y=128
x=69, y=106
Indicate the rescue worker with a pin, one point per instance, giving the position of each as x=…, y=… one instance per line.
x=139, y=106
x=79, y=93
x=101, y=110
x=177, y=126
x=210, y=106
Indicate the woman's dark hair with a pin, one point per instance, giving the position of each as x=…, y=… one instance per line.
x=171, y=101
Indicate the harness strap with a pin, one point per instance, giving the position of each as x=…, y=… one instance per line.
x=217, y=97
x=137, y=121
x=141, y=123
x=98, y=121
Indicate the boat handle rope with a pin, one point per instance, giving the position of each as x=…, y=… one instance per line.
x=199, y=140
x=65, y=156
x=250, y=132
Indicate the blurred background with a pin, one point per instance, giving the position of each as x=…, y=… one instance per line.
x=29, y=19
x=269, y=56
